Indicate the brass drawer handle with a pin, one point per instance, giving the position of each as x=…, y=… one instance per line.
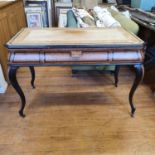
x=76, y=54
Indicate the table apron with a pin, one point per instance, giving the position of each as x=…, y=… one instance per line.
x=76, y=57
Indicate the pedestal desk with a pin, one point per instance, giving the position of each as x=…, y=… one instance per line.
x=68, y=47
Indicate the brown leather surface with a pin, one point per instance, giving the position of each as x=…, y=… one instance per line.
x=77, y=36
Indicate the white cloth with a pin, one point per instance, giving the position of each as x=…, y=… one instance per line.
x=3, y=84
x=81, y=13
x=105, y=18
x=79, y=20
x=99, y=23
x=126, y=14
x=114, y=8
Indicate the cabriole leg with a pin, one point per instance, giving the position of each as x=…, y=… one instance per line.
x=14, y=83
x=33, y=76
x=139, y=69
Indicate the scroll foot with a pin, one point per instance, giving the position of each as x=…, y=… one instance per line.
x=21, y=113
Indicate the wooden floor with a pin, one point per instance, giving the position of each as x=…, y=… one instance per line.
x=83, y=115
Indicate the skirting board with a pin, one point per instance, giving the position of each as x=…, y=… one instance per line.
x=3, y=83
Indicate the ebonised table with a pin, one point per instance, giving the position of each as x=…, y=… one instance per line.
x=69, y=47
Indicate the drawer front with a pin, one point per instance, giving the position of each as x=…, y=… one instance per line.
x=76, y=56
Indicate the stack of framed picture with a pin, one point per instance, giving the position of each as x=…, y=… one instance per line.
x=38, y=13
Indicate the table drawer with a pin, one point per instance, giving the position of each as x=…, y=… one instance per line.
x=76, y=56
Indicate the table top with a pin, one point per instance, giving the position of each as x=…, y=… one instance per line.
x=52, y=37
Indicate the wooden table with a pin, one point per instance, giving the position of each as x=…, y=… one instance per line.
x=69, y=47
